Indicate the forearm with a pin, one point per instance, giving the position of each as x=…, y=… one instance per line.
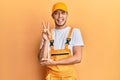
x=70, y=60
x=44, y=50
x=76, y=58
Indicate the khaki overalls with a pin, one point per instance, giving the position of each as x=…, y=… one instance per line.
x=61, y=72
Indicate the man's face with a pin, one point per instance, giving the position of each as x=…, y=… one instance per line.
x=60, y=17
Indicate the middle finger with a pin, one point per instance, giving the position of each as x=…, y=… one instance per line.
x=44, y=27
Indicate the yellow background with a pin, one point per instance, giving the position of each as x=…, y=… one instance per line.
x=20, y=34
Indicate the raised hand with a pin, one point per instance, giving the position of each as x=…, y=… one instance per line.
x=46, y=32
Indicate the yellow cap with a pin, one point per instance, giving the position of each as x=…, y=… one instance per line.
x=60, y=6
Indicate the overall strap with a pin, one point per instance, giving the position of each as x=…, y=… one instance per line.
x=51, y=41
x=68, y=38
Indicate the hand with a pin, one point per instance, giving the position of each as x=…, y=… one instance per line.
x=47, y=62
x=46, y=32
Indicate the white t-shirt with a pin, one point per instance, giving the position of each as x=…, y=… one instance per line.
x=60, y=36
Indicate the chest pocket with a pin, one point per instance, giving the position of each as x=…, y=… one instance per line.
x=62, y=78
x=60, y=54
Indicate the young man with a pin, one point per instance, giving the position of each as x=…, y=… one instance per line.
x=61, y=47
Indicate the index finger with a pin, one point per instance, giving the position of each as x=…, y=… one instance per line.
x=43, y=24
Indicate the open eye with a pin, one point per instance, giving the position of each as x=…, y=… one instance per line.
x=55, y=13
x=63, y=12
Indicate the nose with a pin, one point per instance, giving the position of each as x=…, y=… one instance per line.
x=60, y=15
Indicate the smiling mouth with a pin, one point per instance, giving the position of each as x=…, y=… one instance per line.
x=60, y=20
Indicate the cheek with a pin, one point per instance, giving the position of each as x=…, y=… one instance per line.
x=65, y=17
x=54, y=17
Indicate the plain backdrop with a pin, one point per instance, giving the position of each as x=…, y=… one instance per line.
x=20, y=35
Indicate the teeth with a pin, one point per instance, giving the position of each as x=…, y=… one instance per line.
x=60, y=20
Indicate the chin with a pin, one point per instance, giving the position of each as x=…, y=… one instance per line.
x=60, y=25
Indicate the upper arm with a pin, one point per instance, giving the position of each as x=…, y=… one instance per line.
x=77, y=44
x=77, y=52
x=77, y=38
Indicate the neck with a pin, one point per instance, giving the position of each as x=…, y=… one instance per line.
x=60, y=27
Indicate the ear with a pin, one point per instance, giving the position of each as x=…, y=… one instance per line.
x=67, y=13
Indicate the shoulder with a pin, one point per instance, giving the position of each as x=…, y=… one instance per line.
x=76, y=31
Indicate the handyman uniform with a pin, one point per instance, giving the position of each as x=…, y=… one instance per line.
x=60, y=47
